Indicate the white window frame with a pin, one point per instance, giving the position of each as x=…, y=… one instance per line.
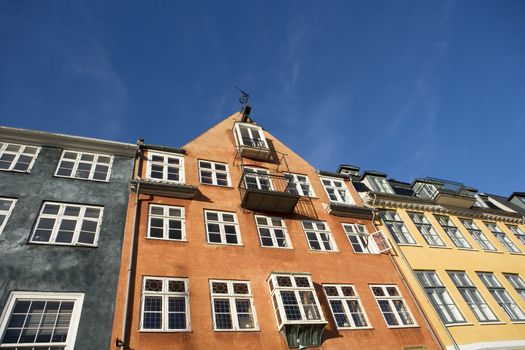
x=221, y=224
x=259, y=175
x=453, y=232
x=472, y=297
x=517, y=283
x=397, y=228
x=165, y=295
x=478, y=235
x=378, y=184
x=345, y=197
x=214, y=171
x=518, y=232
x=76, y=298
x=318, y=232
x=343, y=299
x=166, y=218
x=502, y=237
x=442, y=302
x=361, y=238
x=390, y=299
x=426, y=229
x=78, y=160
x=502, y=297
x=232, y=296
x=60, y=217
x=295, y=178
x=6, y=213
x=250, y=128
x=164, y=164
x=277, y=301
x=271, y=227
x=18, y=154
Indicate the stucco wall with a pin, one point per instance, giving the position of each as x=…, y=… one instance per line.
x=93, y=271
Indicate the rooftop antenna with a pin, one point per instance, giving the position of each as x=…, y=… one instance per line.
x=245, y=109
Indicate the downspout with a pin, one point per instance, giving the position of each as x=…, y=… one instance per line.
x=407, y=286
x=123, y=343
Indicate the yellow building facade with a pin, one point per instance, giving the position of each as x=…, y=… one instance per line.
x=462, y=254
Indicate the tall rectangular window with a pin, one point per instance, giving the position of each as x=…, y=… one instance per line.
x=439, y=297
x=165, y=167
x=67, y=224
x=232, y=305
x=87, y=166
x=294, y=299
x=360, y=239
x=299, y=184
x=257, y=179
x=336, y=190
x=250, y=135
x=6, y=208
x=392, y=306
x=272, y=232
x=318, y=235
x=518, y=232
x=516, y=282
x=478, y=235
x=166, y=222
x=19, y=158
x=453, y=232
x=214, y=173
x=397, y=227
x=502, y=237
x=472, y=297
x=501, y=296
x=165, y=304
x=426, y=229
x=345, y=306
x=40, y=320
x=222, y=227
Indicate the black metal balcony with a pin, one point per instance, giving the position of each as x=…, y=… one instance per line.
x=444, y=192
x=254, y=148
x=267, y=192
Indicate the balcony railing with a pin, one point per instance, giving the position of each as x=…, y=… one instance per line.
x=444, y=192
x=254, y=148
x=267, y=192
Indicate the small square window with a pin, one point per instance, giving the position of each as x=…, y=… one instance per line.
x=166, y=222
x=166, y=167
x=87, y=166
x=19, y=158
x=222, y=228
x=214, y=173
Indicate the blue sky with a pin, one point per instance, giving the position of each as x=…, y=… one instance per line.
x=411, y=88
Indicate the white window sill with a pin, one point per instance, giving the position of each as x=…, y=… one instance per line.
x=16, y=171
x=460, y=324
x=323, y=251
x=79, y=178
x=167, y=239
x=221, y=186
x=518, y=322
x=225, y=244
x=468, y=249
x=402, y=327
x=492, y=323
x=409, y=245
x=64, y=244
x=354, y=328
x=516, y=253
x=439, y=247
x=278, y=248
x=165, y=331
x=238, y=330
x=493, y=251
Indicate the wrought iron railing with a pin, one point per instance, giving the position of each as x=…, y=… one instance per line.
x=251, y=180
x=257, y=143
x=430, y=188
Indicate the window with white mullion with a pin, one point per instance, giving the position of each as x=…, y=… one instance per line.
x=502, y=237
x=502, y=297
x=478, y=235
x=15, y=157
x=232, y=306
x=518, y=232
x=165, y=304
x=318, y=235
x=345, y=306
x=472, y=297
x=68, y=224
x=439, y=297
x=453, y=232
x=165, y=167
x=426, y=229
x=397, y=227
x=166, y=222
x=379, y=184
x=516, y=282
x=222, y=228
x=83, y=165
x=214, y=173
x=392, y=306
x=336, y=190
x=6, y=208
x=359, y=238
x=250, y=135
x=272, y=232
x=257, y=179
x=299, y=184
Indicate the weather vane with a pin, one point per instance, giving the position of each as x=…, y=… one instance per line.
x=243, y=99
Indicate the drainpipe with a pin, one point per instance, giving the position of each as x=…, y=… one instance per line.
x=123, y=343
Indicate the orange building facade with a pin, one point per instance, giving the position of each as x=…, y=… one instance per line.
x=236, y=242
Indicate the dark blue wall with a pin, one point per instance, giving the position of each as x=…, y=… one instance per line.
x=93, y=271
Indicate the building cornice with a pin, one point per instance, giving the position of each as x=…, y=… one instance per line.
x=384, y=200
x=74, y=143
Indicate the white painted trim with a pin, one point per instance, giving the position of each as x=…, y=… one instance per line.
x=8, y=212
x=494, y=345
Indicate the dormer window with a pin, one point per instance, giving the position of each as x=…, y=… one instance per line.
x=480, y=203
x=378, y=184
x=166, y=167
x=250, y=135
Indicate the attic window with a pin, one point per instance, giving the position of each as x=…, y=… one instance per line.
x=250, y=135
x=379, y=184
